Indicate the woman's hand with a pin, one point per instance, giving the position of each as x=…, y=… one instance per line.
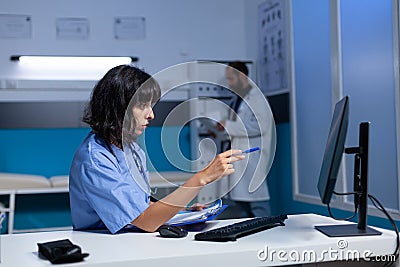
x=196, y=207
x=220, y=166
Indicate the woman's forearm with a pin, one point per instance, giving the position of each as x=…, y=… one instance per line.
x=161, y=211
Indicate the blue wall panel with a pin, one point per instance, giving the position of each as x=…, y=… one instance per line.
x=49, y=152
x=45, y=152
x=313, y=88
x=368, y=77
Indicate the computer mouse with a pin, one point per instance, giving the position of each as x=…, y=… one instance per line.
x=171, y=231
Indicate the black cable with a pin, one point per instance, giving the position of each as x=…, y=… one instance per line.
x=346, y=194
x=380, y=207
x=342, y=219
x=347, y=218
x=392, y=222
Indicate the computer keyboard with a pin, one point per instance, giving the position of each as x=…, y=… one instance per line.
x=233, y=231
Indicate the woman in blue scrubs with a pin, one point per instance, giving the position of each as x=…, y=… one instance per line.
x=103, y=192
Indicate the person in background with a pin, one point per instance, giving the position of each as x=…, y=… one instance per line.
x=103, y=192
x=249, y=204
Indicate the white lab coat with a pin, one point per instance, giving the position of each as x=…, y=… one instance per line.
x=253, y=127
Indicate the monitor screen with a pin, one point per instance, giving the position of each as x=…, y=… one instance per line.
x=334, y=150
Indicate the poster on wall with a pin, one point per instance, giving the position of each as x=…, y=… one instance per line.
x=15, y=26
x=129, y=28
x=72, y=28
x=272, y=55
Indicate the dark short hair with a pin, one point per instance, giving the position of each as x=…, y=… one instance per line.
x=240, y=66
x=111, y=97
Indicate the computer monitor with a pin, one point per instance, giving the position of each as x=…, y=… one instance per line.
x=334, y=150
x=335, y=147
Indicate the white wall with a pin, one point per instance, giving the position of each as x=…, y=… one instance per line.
x=176, y=31
x=251, y=33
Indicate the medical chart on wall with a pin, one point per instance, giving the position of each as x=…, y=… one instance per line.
x=272, y=65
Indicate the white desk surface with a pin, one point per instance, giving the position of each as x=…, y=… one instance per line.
x=148, y=249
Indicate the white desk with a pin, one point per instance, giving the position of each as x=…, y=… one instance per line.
x=147, y=249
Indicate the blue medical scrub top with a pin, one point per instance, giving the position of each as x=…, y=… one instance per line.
x=103, y=193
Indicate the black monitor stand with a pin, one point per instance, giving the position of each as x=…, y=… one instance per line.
x=361, y=186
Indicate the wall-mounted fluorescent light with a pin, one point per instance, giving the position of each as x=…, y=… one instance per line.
x=74, y=60
x=46, y=67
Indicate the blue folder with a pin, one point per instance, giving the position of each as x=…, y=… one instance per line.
x=193, y=217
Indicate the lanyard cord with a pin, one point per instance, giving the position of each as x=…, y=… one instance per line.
x=139, y=165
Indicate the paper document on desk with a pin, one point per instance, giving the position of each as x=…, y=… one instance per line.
x=190, y=217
